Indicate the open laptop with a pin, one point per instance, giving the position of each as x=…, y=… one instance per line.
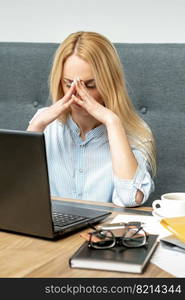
x=25, y=203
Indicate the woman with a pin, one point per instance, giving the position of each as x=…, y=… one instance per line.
x=98, y=148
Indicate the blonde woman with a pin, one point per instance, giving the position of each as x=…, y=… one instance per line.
x=98, y=148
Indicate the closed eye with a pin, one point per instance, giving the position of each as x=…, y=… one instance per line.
x=88, y=86
x=68, y=85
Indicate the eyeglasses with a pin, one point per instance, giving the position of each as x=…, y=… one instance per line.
x=134, y=236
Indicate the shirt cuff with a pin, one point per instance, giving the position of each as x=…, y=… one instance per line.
x=135, y=182
x=126, y=189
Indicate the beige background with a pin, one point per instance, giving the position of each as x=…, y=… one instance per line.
x=132, y=21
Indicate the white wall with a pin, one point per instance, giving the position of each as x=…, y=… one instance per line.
x=132, y=21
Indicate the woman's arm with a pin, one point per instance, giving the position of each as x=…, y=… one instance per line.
x=123, y=159
x=51, y=113
x=124, y=162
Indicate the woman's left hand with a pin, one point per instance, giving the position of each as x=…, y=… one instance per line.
x=94, y=108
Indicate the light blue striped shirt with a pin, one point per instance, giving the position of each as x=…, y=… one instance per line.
x=83, y=169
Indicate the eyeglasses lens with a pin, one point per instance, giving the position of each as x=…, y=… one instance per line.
x=102, y=239
x=134, y=237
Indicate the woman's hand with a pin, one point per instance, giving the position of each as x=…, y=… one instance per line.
x=51, y=113
x=94, y=108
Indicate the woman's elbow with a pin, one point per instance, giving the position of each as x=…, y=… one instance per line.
x=130, y=199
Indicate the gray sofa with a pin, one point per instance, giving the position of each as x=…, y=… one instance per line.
x=155, y=75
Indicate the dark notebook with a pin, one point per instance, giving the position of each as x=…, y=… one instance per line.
x=121, y=259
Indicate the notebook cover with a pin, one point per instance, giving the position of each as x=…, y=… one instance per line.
x=176, y=226
x=121, y=259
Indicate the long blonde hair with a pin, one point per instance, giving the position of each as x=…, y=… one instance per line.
x=108, y=72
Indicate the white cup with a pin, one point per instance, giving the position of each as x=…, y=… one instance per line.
x=170, y=205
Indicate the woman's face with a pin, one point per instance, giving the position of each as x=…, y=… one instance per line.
x=75, y=67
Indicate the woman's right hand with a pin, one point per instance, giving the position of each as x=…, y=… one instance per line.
x=51, y=113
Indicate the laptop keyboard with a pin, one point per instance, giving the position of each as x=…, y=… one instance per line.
x=61, y=220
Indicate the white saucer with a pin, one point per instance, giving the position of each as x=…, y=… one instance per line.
x=157, y=215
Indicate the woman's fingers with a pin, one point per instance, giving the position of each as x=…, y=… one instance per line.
x=79, y=101
x=68, y=103
x=61, y=105
x=81, y=90
x=69, y=93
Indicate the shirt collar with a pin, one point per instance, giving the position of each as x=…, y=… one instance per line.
x=94, y=134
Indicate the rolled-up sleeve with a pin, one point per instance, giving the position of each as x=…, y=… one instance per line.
x=125, y=190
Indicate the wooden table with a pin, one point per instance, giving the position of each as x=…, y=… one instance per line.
x=23, y=256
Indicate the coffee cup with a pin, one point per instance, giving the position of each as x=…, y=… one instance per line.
x=170, y=205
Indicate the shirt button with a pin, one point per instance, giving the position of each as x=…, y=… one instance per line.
x=81, y=170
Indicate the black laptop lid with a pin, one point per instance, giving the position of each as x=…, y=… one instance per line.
x=25, y=205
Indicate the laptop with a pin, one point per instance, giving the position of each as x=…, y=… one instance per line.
x=25, y=201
